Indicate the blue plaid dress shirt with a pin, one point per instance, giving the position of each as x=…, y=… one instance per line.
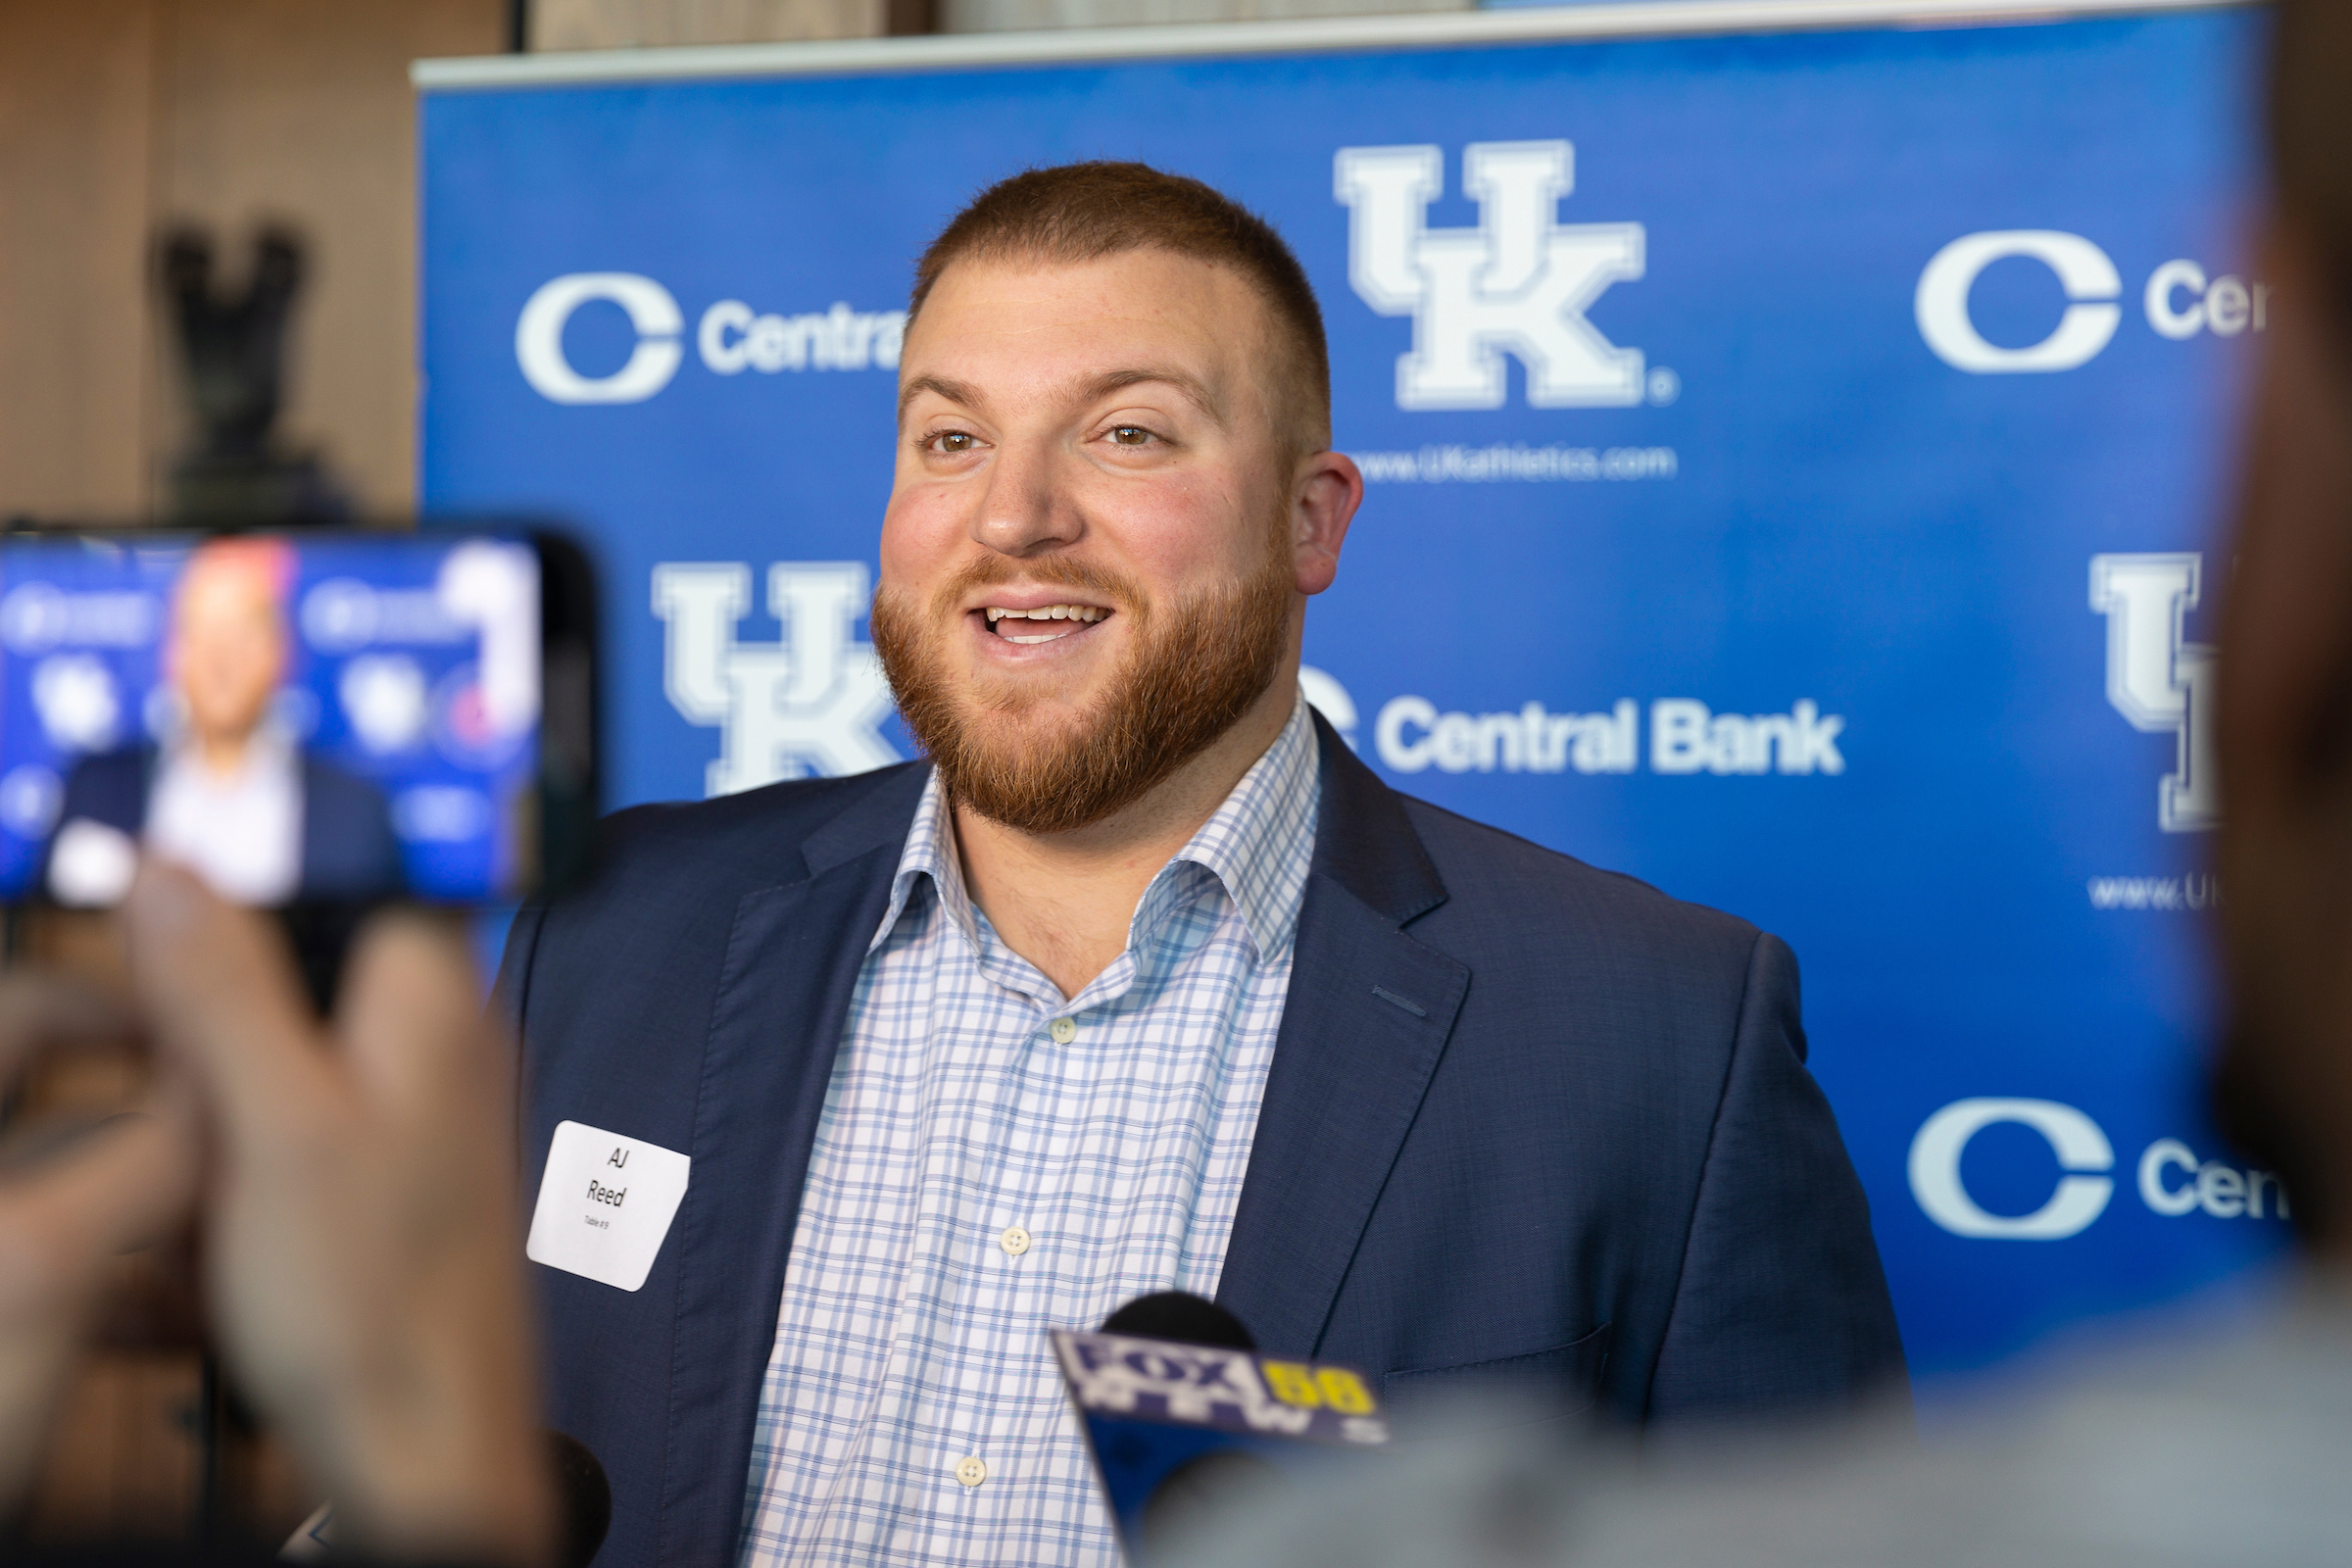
x=994, y=1160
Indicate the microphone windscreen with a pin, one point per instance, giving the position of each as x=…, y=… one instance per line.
x=1181, y=1316
x=1198, y=1491
x=585, y=1496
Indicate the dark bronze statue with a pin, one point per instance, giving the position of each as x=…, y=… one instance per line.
x=233, y=358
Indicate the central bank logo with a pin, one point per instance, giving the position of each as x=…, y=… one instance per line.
x=2173, y=1182
x=2158, y=680
x=2081, y=1148
x=2180, y=301
x=1519, y=283
x=1941, y=303
x=732, y=338
x=811, y=702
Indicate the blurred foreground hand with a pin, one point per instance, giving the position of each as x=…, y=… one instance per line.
x=361, y=1258
x=355, y=1183
x=68, y=1210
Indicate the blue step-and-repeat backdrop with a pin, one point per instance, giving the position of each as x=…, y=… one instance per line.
x=1796, y=469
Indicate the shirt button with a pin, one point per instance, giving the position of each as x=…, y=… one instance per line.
x=1016, y=1241
x=1064, y=1031
x=971, y=1472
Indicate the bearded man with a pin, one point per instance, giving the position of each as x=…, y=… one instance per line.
x=1142, y=982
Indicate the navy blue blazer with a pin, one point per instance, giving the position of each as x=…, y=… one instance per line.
x=348, y=847
x=1527, y=1122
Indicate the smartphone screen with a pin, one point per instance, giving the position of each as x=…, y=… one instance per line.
x=303, y=719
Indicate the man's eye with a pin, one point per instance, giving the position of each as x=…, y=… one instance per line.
x=1129, y=435
x=952, y=441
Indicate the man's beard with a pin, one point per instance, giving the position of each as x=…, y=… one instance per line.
x=1191, y=672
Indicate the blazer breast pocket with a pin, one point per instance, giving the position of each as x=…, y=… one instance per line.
x=1562, y=1381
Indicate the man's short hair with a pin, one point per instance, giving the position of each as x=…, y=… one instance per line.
x=1083, y=212
x=268, y=561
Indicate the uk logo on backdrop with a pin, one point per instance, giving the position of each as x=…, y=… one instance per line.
x=811, y=702
x=1519, y=283
x=2161, y=682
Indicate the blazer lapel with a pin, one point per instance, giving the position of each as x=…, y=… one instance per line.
x=1368, y=1014
x=783, y=996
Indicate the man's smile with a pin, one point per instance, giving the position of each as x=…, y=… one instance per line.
x=1044, y=623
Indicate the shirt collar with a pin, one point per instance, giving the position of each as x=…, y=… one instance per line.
x=1260, y=844
x=268, y=753
x=930, y=851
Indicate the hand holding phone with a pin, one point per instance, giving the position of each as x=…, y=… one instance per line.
x=361, y=1253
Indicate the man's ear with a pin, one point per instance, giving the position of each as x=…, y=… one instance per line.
x=1323, y=495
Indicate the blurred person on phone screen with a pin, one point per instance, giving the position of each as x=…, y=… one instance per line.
x=229, y=794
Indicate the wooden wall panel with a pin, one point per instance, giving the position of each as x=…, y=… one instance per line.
x=76, y=130
x=116, y=116
x=301, y=110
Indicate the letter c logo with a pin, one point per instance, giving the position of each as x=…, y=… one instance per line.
x=539, y=338
x=1405, y=756
x=2073, y=1137
x=2084, y=270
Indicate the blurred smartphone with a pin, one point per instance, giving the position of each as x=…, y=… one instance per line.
x=312, y=722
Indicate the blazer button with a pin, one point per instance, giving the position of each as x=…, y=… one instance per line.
x=1064, y=1031
x=971, y=1472
x=1016, y=1241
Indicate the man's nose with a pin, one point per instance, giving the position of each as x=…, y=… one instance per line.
x=1027, y=507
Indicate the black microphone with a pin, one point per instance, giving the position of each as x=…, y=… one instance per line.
x=583, y=1500
x=1183, y=1418
x=1181, y=1316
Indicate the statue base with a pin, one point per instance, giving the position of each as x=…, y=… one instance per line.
x=271, y=491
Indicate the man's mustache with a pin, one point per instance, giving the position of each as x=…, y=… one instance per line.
x=1043, y=571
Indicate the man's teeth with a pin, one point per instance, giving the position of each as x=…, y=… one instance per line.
x=1078, y=613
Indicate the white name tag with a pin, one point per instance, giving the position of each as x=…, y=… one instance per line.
x=605, y=1205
